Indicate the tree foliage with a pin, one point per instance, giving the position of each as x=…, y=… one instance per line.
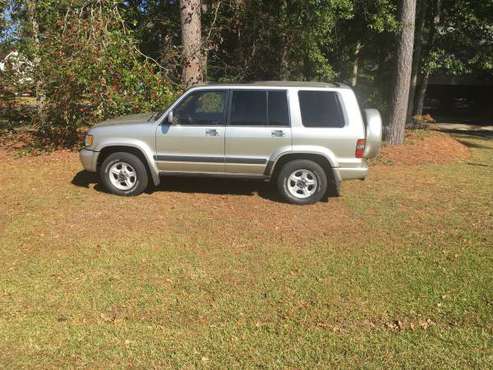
x=464, y=40
x=90, y=66
x=99, y=58
x=93, y=70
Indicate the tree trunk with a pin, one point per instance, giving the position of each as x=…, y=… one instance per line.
x=418, y=47
x=284, y=71
x=400, y=94
x=39, y=83
x=420, y=97
x=354, y=78
x=190, y=12
x=285, y=39
x=423, y=86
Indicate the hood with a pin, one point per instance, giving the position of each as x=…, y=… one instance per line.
x=130, y=119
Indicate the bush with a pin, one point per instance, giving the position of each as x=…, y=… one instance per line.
x=90, y=70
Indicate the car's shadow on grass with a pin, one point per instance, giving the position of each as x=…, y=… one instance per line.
x=85, y=179
x=218, y=186
x=197, y=185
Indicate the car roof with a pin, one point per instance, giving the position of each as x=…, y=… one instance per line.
x=266, y=84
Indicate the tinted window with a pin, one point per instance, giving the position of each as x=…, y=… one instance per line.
x=249, y=108
x=259, y=108
x=201, y=108
x=278, y=108
x=320, y=109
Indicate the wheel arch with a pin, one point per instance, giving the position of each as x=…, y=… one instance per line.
x=275, y=166
x=110, y=149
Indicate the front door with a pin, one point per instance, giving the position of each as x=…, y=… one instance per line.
x=194, y=143
x=258, y=126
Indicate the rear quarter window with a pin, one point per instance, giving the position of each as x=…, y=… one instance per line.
x=320, y=109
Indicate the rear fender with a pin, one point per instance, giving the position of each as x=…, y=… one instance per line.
x=326, y=153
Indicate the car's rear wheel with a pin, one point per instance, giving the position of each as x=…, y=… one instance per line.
x=124, y=174
x=302, y=182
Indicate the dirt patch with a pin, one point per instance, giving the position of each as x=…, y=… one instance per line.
x=25, y=142
x=423, y=147
x=12, y=141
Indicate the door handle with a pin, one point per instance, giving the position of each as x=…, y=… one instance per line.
x=211, y=132
x=278, y=133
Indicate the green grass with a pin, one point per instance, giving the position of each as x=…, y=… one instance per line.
x=396, y=273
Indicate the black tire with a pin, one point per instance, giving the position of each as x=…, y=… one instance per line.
x=141, y=178
x=299, y=165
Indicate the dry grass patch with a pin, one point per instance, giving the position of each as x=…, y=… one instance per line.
x=423, y=147
x=395, y=273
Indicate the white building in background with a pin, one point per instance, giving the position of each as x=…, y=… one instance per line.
x=19, y=65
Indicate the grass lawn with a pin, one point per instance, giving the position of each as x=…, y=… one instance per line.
x=398, y=272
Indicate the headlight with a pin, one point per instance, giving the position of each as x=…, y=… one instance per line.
x=88, y=140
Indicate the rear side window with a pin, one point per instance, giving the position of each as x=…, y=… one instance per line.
x=278, y=108
x=320, y=109
x=249, y=108
x=259, y=108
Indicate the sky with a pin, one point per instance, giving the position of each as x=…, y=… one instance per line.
x=10, y=29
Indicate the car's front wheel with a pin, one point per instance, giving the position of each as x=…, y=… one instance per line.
x=302, y=182
x=124, y=173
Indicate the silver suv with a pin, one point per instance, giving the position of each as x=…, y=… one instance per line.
x=307, y=137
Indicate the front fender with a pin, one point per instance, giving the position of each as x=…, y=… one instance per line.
x=143, y=147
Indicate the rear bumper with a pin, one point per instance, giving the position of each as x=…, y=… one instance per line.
x=89, y=159
x=351, y=173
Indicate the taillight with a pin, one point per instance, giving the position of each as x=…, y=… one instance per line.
x=360, y=148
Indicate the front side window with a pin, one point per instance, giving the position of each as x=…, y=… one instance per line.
x=259, y=108
x=201, y=108
x=320, y=109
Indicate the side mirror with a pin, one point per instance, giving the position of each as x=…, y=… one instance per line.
x=171, y=118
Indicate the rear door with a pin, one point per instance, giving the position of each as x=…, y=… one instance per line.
x=258, y=125
x=195, y=143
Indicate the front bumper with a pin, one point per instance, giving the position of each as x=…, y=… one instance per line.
x=89, y=159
